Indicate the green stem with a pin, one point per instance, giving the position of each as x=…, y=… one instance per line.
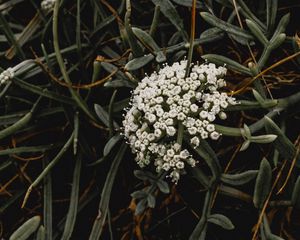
x=229, y=131
x=48, y=168
x=201, y=226
x=155, y=21
x=283, y=104
x=110, y=113
x=61, y=64
x=180, y=133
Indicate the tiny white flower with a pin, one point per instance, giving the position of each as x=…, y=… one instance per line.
x=157, y=133
x=211, y=117
x=170, y=152
x=185, y=87
x=195, y=141
x=180, y=165
x=176, y=147
x=171, y=131
x=214, y=135
x=164, y=98
x=166, y=166
x=223, y=104
x=192, y=130
x=169, y=121
x=203, y=114
x=194, y=108
x=204, y=135
x=210, y=127
x=184, y=154
x=194, y=75
x=181, y=116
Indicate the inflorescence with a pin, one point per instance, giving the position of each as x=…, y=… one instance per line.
x=6, y=75
x=166, y=100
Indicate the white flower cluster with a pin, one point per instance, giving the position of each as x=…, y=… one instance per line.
x=47, y=5
x=163, y=101
x=6, y=75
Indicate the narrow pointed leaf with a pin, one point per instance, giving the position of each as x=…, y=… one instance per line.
x=240, y=178
x=28, y=228
x=284, y=146
x=262, y=184
x=139, y=62
x=111, y=143
x=168, y=9
x=151, y=201
x=221, y=221
x=254, y=28
x=147, y=40
x=225, y=26
x=233, y=65
x=163, y=186
x=106, y=193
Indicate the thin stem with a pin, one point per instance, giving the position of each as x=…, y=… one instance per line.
x=192, y=38
x=155, y=21
x=61, y=64
x=180, y=133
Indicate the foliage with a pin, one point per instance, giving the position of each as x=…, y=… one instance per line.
x=67, y=72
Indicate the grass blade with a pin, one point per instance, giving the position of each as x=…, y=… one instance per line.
x=105, y=195
x=72, y=212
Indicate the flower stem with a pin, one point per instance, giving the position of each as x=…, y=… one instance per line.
x=180, y=133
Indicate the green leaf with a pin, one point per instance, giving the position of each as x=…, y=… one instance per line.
x=151, y=201
x=74, y=198
x=111, y=143
x=267, y=138
x=110, y=68
x=225, y=26
x=248, y=14
x=168, y=9
x=221, y=221
x=258, y=97
x=140, y=194
x=118, y=83
x=47, y=201
x=188, y=3
x=204, y=151
x=240, y=178
x=255, y=29
x=29, y=227
x=139, y=62
x=41, y=234
x=106, y=193
x=103, y=115
x=148, y=41
x=245, y=145
x=284, y=146
x=144, y=175
x=213, y=32
x=233, y=65
x=281, y=25
x=274, y=237
x=137, y=51
x=277, y=41
x=140, y=207
x=247, y=131
x=163, y=186
x=263, y=184
x=200, y=176
x=271, y=10
x=31, y=149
